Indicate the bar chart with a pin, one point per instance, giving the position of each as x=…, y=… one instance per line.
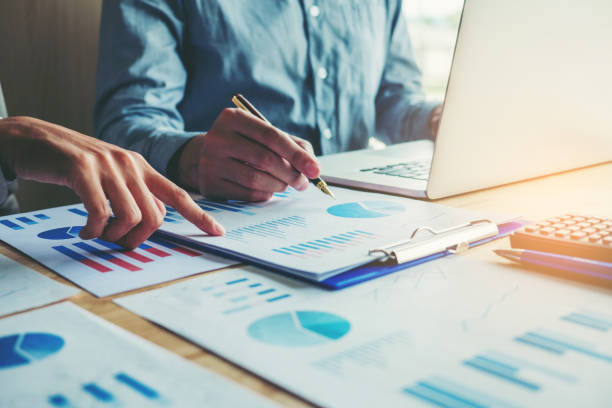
x=320, y=247
x=269, y=229
x=509, y=368
x=534, y=362
x=97, y=265
x=443, y=392
x=19, y=223
x=104, y=395
x=242, y=293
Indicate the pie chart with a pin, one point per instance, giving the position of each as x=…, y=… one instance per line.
x=366, y=209
x=299, y=328
x=22, y=349
x=61, y=233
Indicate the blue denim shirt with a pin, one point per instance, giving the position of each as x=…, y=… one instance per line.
x=332, y=72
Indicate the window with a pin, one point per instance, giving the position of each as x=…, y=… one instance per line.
x=433, y=28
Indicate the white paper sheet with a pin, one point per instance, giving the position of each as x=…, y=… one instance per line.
x=21, y=288
x=310, y=234
x=64, y=356
x=425, y=334
x=51, y=237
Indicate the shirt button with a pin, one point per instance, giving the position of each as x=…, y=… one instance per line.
x=315, y=11
x=322, y=73
x=327, y=133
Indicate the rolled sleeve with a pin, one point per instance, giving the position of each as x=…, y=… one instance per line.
x=402, y=112
x=141, y=79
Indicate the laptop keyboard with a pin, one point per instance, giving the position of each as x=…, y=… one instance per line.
x=418, y=170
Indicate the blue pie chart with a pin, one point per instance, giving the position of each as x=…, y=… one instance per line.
x=366, y=209
x=22, y=349
x=61, y=233
x=299, y=329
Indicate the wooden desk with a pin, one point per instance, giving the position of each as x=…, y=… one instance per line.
x=587, y=191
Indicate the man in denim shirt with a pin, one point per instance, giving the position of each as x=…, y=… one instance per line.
x=332, y=73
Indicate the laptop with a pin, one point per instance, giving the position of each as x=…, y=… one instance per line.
x=528, y=95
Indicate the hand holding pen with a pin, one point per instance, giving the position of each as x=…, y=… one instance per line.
x=243, y=157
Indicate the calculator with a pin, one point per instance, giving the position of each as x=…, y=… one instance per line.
x=570, y=234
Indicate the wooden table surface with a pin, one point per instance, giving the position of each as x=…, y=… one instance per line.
x=587, y=191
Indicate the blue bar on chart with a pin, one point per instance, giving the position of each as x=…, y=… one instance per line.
x=58, y=400
x=243, y=293
x=27, y=220
x=268, y=229
x=78, y=211
x=107, y=256
x=503, y=370
x=98, y=392
x=129, y=253
x=225, y=206
x=171, y=245
x=42, y=216
x=591, y=320
x=11, y=225
x=559, y=344
x=449, y=394
x=318, y=247
x=137, y=386
x=81, y=258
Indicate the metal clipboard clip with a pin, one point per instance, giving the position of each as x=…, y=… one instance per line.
x=455, y=239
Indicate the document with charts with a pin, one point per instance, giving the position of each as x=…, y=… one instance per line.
x=63, y=356
x=51, y=237
x=21, y=288
x=449, y=333
x=310, y=234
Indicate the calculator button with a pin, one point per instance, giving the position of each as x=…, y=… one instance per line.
x=579, y=219
x=531, y=228
x=565, y=217
x=589, y=230
x=562, y=233
x=600, y=226
x=569, y=222
x=573, y=228
x=584, y=224
x=604, y=233
x=607, y=240
x=595, y=238
x=558, y=226
x=594, y=220
x=547, y=230
x=554, y=220
x=578, y=235
x=545, y=224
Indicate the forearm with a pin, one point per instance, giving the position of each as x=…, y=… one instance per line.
x=155, y=142
x=402, y=117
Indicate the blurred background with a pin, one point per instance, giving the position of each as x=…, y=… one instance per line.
x=49, y=57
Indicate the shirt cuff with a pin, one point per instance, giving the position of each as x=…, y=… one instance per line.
x=167, y=143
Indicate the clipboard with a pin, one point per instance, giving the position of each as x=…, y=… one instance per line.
x=408, y=253
x=394, y=257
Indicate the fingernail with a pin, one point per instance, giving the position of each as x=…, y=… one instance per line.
x=219, y=230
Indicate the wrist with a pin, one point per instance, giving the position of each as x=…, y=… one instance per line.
x=188, y=161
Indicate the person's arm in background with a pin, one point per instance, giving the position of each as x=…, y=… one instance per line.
x=141, y=80
x=98, y=172
x=402, y=113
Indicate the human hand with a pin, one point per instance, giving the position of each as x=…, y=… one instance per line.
x=98, y=171
x=242, y=157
